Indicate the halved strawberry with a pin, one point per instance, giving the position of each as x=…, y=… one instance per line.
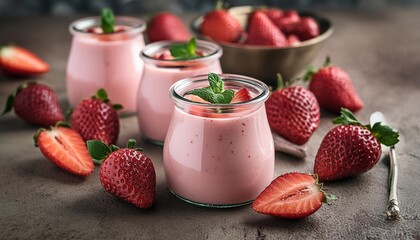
x=195, y=98
x=19, y=61
x=66, y=149
x=241, y=95
x=292, y=195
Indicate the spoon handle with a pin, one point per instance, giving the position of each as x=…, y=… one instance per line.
x=393, y=211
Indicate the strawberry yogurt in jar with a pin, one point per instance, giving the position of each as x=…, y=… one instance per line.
x=219, y=154
x=106, y=60
x=161, y=70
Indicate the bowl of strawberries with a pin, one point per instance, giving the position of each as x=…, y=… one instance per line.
x=261, y=42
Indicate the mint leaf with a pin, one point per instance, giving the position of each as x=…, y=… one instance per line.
x=216, y=83
x=184, y=51
x=215, y=93
x=107, y=20
x=98, y=150
x=385, y=134
x=204, y=93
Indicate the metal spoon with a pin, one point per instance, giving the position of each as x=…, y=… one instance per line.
x=393, y=210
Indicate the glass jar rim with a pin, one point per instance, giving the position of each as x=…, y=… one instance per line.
x=78, y=27
x=260, y=98
x=147, y=53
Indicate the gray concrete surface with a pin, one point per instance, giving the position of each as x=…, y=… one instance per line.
x=381, y=52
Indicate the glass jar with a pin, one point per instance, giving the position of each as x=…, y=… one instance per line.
x=154, y=107
x=106, y=60
x=219, y=155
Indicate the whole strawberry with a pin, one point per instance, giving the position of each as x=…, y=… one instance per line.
x=333, y=88
x=166, y=26
x=305, y=29
x=288, y=17
x=126, y=173
x=219, y=25
x=262, y=31
x=351, y=149
x=97, y=118
x=293, y=113
x=36, y=104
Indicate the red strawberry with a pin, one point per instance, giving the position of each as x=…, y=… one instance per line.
x=293, y=113
x=351, y=149
x=241, y=95
x=97, y=118
x=288, y=17
x=274, y=13
x=167, y=26
x=35, y=103
x=293, y=40
x=333, y=88
x=66, y=149
x=219, y=25
x=18, y=61
x=305, y=29
x=292, y=195
x=126, y=173
x=261, y=31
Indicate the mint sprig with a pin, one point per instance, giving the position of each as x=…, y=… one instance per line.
x=107, y=20
x=184, y=51
x=215, y=93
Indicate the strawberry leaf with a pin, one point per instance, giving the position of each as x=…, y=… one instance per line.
x=385, y=134
x=107, y=20
x=101, y=95
x=98, y=150
x=328, y=198
x=117, y=107
x=184, y=51
x=309, y=73
x=9, y=104
x=215, y=93
x=346, y=118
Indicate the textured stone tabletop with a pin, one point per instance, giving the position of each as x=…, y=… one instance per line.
x=380, y=50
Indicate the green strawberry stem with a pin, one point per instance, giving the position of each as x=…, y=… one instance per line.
x=99, y=151
x=184, y=51
x=107, y=20
x=281, y=83
x=385, y=134
x=11, y=97
x=215, y=93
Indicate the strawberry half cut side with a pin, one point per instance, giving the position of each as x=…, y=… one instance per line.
x=241, y=95
x=292, y=195
x=65, y=148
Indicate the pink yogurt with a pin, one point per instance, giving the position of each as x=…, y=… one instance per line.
x=108, y=61
x=154, y=106
x=219, y=155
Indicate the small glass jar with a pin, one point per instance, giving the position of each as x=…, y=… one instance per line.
x=154, y=107
x=219, y=155
x=106, y=60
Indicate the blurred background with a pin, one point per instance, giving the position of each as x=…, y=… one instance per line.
x=9, y=8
